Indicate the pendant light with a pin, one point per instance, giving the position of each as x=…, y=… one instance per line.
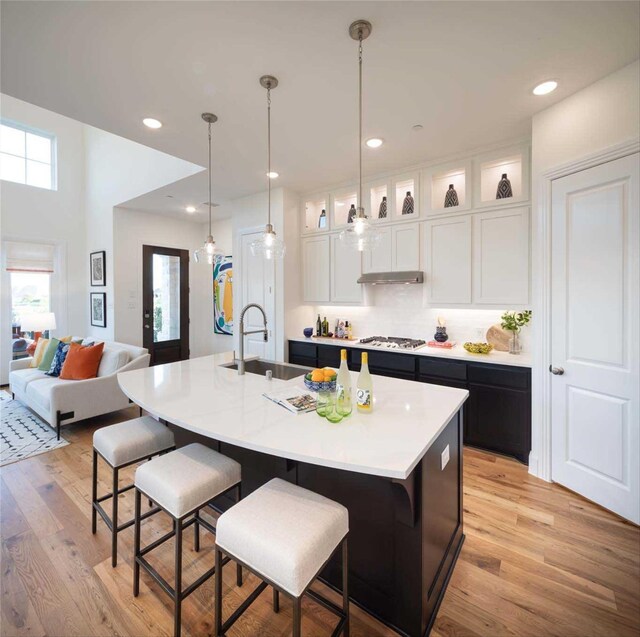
x=209, y=253
x=268, y=246
x=361, y=234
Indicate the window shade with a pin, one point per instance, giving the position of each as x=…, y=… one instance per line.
x=29, y=257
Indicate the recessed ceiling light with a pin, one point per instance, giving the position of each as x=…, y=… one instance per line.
x=190, y=208
x=545, y=87
x=374, y=142
x=150, y=122
x=417, y=127
x=273, y=175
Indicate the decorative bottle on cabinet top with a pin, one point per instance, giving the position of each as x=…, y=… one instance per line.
x=382, y=211
x=407, y=204
x=322, y=220
x=451, y=198
x=504, y=188
x=352, y=214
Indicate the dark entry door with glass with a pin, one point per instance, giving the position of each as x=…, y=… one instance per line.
x=165, y=303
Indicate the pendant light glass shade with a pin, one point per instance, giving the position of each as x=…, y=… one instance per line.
x=209, y=253
x=360, y=235
x=268, y=246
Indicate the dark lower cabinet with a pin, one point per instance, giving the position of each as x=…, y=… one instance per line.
x=497, y=416
x=499, y=419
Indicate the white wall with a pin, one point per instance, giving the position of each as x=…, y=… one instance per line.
x=117, y=170
x=602, y=115
x=48, y=216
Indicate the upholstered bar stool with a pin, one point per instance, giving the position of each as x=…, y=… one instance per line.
x=119, y=446
x=285, y=535
x=182, y=483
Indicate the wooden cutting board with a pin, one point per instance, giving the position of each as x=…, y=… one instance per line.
x=499, y=338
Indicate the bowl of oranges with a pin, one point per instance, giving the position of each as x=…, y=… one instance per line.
x=321, y=379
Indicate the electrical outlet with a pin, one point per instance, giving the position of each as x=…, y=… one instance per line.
x=444, y=458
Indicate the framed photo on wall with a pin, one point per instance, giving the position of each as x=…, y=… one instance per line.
x=98, y=309
x=98, y=268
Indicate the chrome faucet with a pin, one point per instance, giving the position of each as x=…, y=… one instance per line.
x=243, y=333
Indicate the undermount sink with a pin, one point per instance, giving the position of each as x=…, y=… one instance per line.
x=260, y=367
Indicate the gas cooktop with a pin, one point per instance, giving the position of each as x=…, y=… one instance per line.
x=393, y=342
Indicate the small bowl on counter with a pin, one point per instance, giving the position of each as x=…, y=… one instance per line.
x=308, y=332
x=478, y=348
x=320, y=385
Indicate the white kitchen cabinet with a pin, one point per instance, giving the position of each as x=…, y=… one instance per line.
x=405, y=247
x=501, y=257
x=448, y=260
x=346, y=268
x=316, y=263
x=379, y=260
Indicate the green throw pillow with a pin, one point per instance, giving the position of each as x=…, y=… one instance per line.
x=49, y=353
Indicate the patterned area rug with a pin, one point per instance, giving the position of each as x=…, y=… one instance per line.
x=22, y=433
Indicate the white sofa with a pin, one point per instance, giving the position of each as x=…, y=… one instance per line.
x=65, y=401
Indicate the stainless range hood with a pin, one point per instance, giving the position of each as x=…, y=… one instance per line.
x=384, y=278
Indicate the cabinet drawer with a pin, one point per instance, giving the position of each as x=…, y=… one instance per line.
x=329, y=356
x=443, y=369
x=392, y=362
x=306, y=350
x=303, y=360
x=516, y=377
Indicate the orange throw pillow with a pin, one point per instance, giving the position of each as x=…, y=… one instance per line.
x=82, y=362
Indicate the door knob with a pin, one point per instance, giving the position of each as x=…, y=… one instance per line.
x=558, y=371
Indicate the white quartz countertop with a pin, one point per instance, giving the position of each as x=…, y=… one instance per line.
x=216, y=402
x=457, y=352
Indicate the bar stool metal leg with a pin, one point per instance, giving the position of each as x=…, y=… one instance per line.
x=218, y=595
x=297, y=616
x=196, y=533
x=94, y=492
x=114, y=520
x=136, y=544
x=239, y=566
x=178, y=585
x=345, y=587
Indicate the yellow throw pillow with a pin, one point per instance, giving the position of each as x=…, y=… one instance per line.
x=40, y=349
x=66, y=339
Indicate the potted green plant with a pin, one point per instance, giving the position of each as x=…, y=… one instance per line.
x=513, y=322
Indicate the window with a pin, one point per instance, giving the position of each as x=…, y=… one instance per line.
x=30, y=294
x=27, y=156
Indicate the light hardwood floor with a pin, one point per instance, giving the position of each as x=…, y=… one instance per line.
x=538, y=560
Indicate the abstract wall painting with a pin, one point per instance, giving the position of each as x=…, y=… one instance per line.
x=223, y=296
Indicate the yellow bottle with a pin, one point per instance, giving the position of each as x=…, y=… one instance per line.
x=343, y=386
x=365, y=387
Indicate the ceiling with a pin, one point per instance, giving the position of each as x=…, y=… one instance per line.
x=464, y=70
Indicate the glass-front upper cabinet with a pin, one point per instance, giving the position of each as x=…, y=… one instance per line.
x=405, y=204
x=315, y=214
x=502, y=177
x=344, y=208
x=376, y=200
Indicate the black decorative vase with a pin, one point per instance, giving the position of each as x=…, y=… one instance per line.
x=407, y=204
x=352, y=214
x=322, y=220
x=382, y=211
x=441, y=334
x=451, y=198
x=504, y=188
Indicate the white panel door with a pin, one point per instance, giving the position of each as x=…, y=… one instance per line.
x=501, y=257
x=346, y=267
x=258, y=280
x=595, y=329
x=405, y=247
x=315, y=265
x=448, y=260
x=379, y=259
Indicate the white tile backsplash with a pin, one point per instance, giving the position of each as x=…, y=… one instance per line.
x=398, y=310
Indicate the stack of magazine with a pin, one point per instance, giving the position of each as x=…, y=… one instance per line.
x=296, y=399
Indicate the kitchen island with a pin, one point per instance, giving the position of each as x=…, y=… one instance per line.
x=397, y=470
